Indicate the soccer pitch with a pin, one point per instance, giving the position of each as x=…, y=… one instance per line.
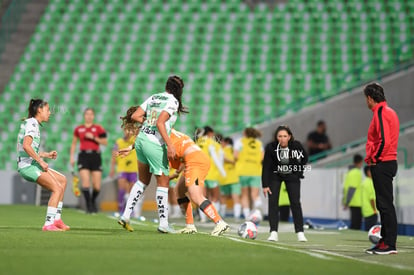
x=98, y=245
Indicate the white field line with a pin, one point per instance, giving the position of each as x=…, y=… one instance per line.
x=317, y=253
x=397, y=266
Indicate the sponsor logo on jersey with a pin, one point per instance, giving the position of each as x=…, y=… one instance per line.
x=160, y=97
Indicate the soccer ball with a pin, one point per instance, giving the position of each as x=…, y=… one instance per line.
x=374, y=234
x=256, y=217
x=248, y=230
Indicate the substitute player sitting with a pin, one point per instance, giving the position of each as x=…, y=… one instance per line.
x=196, y=166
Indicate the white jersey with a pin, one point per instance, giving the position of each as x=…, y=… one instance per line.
x=153, y=107
x=29, y=127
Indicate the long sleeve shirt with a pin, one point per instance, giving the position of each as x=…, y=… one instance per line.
x=273, y=163
x=383, y=132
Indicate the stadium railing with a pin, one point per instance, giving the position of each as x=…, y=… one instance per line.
x=404, y=59
x=9, y=21
x=344, y=148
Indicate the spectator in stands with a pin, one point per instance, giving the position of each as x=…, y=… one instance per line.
x=318, y=141
x=369, y=210
x=90, y=137
x=352, y=192
x=284, y=160
x=381, y=156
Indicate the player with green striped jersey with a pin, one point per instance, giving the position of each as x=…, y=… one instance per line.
x=153, y=108
x=29, y=127
x=153, y=146
x=31, y=166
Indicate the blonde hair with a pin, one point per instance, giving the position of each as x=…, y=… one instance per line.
x=128, y=124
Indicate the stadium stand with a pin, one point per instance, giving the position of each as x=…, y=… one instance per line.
x=240, y=64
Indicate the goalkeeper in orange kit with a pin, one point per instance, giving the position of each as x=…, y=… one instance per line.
x=196, y=165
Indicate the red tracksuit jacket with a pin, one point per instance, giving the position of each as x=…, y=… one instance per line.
x=382, y=139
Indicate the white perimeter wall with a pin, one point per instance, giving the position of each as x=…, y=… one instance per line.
x=321, y=193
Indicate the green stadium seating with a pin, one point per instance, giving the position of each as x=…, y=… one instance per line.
x=240, y=64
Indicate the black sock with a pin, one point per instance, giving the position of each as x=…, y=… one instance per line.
x=88, y=200
x=95, y=194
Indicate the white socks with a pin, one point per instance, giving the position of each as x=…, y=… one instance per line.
x=257, y=204
x=161, y=197
x=223, y=208
x=246, y=213
x=237, y=210
x=50, y=215
x=138, y=207
x=59, y=211
x=134, y=196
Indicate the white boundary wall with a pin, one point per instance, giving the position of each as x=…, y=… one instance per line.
x=321, y=193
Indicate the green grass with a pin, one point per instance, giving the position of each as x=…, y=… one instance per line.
x=98, y=245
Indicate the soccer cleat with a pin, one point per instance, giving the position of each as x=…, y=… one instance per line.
x=371, y=250
x=60, y=224
x=51, y=227
x=125, y=224
x=221, y=228
x=166, y=229
x=188, y=229
x=385, y=249
x=273, y=237
x=301, y=237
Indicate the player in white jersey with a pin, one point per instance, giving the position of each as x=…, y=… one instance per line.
x=153, y=146
x=31, y=166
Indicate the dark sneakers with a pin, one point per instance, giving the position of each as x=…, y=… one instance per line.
x=382, y=249
x=385, y=250
x=371, y=250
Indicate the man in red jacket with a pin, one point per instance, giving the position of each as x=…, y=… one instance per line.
x=381, y=156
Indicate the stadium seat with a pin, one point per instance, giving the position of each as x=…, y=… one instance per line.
x=240, y=64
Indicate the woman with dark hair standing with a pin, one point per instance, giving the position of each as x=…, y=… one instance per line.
x=153, y=146
x=31, y=166
x=90, y=137
x=284, y=160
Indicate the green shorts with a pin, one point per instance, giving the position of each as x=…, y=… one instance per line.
x=31, y=173
x=153, y=155
x=230, y=189
x=250, y=181
x=173, y=183
x=211, y=184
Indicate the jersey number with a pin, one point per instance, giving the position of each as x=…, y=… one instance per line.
x=153, y=118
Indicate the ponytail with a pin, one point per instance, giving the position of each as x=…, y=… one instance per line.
x=175, y=86
x=34, y=106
